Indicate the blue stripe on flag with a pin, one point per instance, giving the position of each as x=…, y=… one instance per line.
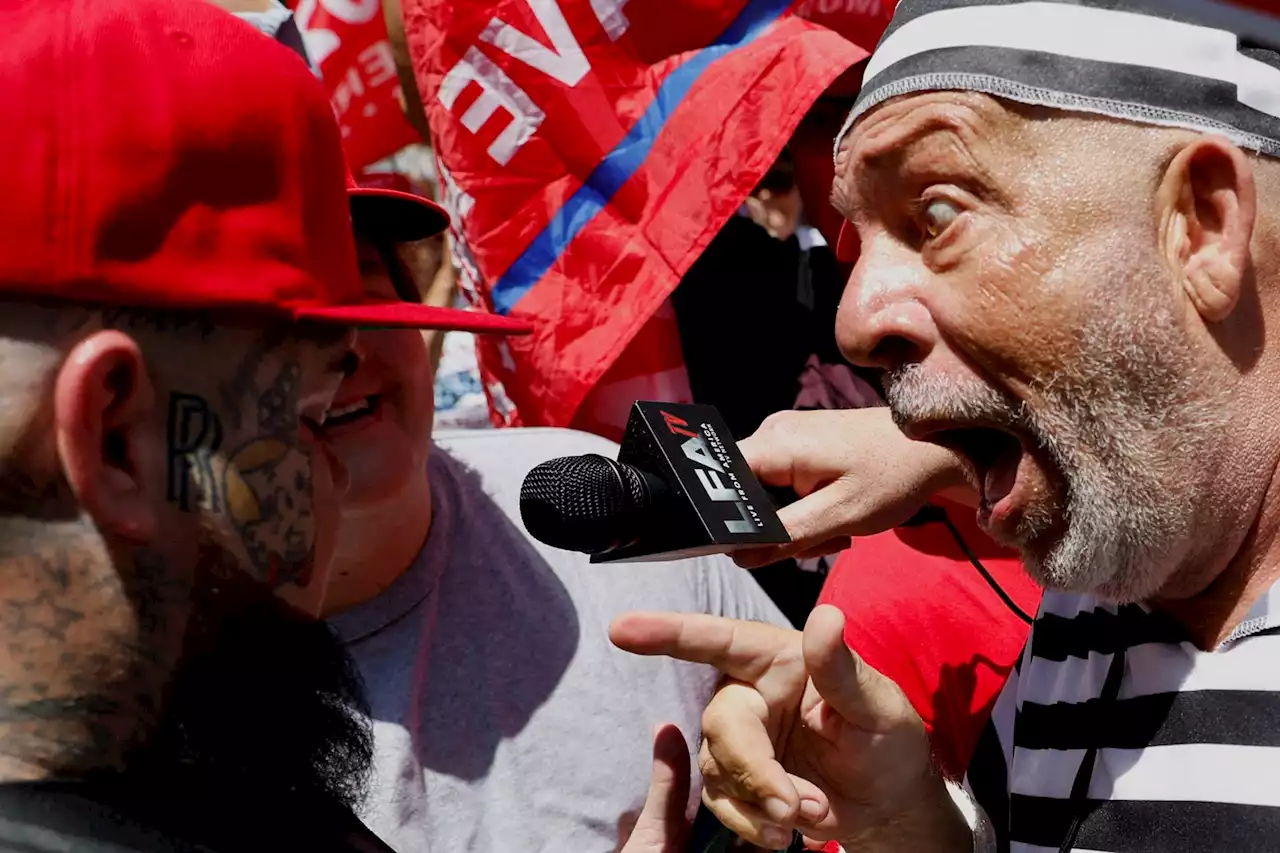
x=623, y=161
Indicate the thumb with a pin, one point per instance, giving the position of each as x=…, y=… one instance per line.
x=662, y=826
x=855, y=691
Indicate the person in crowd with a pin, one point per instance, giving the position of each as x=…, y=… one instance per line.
x=160, y=474
x=178, y=282
x=491, y=678
x=958, y=597
x=1069, y=252
x=380, y=427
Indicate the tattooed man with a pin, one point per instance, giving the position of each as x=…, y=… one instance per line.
x=177, y=283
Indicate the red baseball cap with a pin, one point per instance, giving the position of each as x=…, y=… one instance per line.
x=387, y=205
x=401, y=216
x=166, y=155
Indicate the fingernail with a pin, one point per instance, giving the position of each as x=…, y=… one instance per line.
x=776, y=838
x=777, y=809
x=810, y=810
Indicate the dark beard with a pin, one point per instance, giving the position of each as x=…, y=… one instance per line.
x=265, y=715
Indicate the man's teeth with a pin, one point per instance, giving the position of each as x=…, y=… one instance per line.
x=358, y=407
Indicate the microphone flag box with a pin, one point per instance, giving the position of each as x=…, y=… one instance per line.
x=715, y=505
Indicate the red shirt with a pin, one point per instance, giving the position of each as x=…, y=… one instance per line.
x=920, y=612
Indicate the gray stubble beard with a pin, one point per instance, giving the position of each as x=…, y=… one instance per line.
x=1125, y=424
x=1132, y=426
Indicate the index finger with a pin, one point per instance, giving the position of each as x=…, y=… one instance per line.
x=771, y=463
x=741, y=650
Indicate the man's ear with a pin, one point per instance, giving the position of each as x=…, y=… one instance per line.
x=1207, y=205
x=107, y=436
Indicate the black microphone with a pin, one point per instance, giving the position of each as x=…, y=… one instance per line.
x=679, y=488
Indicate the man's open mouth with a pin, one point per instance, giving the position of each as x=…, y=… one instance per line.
x=993, y=455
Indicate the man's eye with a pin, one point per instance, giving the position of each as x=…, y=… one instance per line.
x=938, y=216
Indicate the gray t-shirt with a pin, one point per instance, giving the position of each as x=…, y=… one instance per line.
x=504, y=718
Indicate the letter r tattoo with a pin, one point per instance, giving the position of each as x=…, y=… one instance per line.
x=194, y=435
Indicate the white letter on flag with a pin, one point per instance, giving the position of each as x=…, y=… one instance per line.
x=353, y=11
x=567, y=63
x=499, y=91
x=611, y=18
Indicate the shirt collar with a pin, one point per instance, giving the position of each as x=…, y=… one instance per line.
x=1263, y=616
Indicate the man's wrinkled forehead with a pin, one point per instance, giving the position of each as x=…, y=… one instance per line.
x=960, y=127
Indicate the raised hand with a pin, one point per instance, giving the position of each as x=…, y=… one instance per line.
x=803, y=735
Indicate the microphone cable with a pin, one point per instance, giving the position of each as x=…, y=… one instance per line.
x=932, y=514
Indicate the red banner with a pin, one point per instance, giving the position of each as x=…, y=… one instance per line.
x=347, y=40
x=860, y=21
x=590, y=149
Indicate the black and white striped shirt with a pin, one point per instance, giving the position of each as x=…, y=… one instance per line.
x=1187, y=751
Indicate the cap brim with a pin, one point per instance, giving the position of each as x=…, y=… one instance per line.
x=409, y=315
x=395, y=216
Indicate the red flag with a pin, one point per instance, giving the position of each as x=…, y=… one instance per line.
x=590, y=149
x=860, y=21
x=347, y=40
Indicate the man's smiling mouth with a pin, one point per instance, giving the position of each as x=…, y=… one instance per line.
x=352, y=412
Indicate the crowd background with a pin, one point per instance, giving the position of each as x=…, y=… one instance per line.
x=712, y=274
x=714, y=280
x=657, y=207
x=756, y=234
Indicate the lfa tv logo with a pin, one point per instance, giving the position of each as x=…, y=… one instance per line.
x=712, y=474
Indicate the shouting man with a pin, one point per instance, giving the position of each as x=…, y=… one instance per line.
x=1070, y=224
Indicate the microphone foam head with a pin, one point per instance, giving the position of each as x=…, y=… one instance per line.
x=582, y=503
